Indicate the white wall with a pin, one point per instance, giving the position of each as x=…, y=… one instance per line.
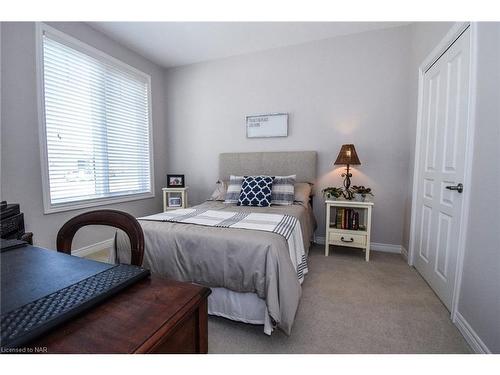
x=20, y=156
x=479, y=302
x=350, y=89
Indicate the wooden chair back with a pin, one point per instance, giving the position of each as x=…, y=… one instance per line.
x=113, y=218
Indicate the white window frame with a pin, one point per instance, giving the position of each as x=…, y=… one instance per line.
x=80, y=46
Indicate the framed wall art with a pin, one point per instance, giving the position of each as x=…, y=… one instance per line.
x=269, y=125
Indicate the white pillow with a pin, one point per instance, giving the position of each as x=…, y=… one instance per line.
x=220, y=191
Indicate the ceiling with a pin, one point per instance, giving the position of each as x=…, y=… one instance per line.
x=172, y=44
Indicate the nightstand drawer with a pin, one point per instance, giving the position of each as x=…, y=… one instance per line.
x=341, y=239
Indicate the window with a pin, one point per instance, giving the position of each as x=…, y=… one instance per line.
x=96, y=126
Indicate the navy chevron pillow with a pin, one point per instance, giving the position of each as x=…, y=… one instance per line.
x=256, y=191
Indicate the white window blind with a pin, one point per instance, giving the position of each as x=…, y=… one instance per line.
x=97, y=126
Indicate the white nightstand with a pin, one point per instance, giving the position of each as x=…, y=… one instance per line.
x=338, y=236
x=179, y=193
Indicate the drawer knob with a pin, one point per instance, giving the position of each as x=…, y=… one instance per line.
x=344, y=240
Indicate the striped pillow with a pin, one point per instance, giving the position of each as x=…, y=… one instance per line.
x=283, y=190
x=234, y=189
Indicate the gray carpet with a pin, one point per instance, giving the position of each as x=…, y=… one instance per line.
x=350, y=306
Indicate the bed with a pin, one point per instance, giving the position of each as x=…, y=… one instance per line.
x=253, y=275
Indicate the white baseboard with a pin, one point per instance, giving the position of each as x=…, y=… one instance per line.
x=94, y=248
x=375, y=246
x=385, y=247
x=404, y=252
x=475, y=342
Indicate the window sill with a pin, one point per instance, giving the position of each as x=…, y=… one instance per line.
x=50, y=209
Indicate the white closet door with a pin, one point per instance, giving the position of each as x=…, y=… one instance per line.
x=443, y=131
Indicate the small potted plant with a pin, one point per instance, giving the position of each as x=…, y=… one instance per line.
x=360, y=193
x=332, y=193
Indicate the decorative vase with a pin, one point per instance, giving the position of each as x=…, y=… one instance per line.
x=359, y=197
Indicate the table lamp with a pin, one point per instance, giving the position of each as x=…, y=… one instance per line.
x=348, y=156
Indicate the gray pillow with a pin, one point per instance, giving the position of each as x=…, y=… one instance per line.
x=302, y=193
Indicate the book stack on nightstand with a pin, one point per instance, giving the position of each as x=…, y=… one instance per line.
x=348, y=223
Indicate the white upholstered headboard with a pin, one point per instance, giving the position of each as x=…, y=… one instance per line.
x=301, y=163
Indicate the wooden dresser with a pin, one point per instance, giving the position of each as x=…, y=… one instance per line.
x=152, y=316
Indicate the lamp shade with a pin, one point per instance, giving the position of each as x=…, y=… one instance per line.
x=347, y=155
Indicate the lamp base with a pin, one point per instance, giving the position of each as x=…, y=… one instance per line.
x=347, y=183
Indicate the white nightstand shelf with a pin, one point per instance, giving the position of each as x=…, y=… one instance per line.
x=338, y=236
x=178, y=194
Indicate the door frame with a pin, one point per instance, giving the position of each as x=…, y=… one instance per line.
x=456, y=30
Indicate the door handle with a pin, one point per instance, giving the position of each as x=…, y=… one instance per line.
x=459, y=188
x=342, y=239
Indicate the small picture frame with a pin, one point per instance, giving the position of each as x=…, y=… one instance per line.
x=175, y=181
x=174, y=202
